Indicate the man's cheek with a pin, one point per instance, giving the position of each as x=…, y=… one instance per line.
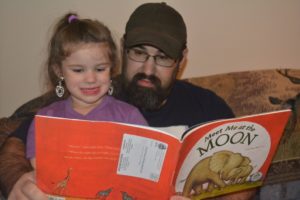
x=165, y=83
x=131, y=73
x=129, y=76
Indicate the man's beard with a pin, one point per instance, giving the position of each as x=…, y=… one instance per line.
x=146, y=98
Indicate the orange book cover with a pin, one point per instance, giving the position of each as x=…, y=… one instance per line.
x=228, y=155
x=78, y=159
x=94, y=160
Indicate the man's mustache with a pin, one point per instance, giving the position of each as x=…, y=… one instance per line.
x=152, y=78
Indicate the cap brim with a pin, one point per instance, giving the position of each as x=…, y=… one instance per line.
x=160, y=40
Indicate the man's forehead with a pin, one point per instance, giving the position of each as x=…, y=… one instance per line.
x=149, y=48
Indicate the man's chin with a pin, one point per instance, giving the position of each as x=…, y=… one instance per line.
x=144, y=98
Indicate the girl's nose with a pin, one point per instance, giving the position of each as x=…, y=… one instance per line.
x=90, y=76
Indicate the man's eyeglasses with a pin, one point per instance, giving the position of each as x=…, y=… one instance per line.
x=139, y=55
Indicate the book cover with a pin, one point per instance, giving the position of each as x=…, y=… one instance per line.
x=228, y=155
x=103, y=160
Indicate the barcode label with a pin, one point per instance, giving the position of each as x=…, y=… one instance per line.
x=141, y=157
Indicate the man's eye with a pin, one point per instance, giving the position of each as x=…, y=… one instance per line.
x=163, y=57
x=139, y=52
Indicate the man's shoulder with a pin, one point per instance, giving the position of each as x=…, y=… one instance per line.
x=198, y=97
x=184, y=87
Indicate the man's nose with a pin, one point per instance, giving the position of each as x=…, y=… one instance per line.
x=149, y=66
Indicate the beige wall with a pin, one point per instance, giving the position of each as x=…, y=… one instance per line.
x=223, y=36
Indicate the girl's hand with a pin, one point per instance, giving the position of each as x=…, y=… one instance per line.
x=26, y=189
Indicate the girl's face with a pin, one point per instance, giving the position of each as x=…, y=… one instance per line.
x=86, y=72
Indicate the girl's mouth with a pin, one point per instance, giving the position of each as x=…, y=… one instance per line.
x=90, y=91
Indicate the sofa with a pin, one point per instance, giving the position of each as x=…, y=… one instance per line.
x=252, y=92
x=246, y=92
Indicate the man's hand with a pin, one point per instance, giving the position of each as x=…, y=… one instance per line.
x=177, y=197
x=242, y=195
x=26, y=189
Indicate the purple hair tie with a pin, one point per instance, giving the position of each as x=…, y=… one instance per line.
x=72, y=18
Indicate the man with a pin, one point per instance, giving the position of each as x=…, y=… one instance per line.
x=154, y=50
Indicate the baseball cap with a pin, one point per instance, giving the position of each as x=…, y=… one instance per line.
x=158, y=25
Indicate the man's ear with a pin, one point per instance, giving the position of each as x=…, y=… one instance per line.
x=122, y=48
x=182, y=63
x=122, y=54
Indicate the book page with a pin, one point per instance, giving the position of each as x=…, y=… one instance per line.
x=176, y=131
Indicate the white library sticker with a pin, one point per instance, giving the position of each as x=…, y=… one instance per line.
x=141, y=157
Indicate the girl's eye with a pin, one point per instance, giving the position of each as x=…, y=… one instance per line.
x=100, y=69
x=77, y=70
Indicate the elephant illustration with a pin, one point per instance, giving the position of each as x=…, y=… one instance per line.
x=215, y=170
x=240, y=174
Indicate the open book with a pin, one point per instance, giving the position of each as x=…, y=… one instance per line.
x=107, y=160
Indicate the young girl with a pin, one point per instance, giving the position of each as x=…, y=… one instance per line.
x=82, y=57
